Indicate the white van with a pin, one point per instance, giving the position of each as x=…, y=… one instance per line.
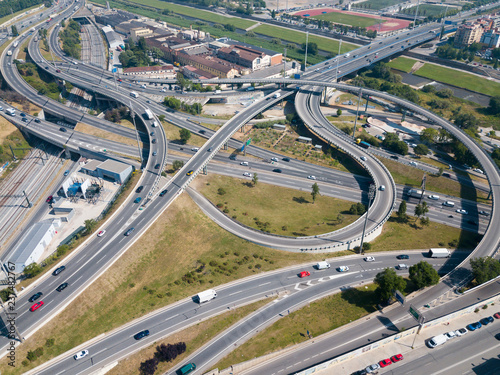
x=322, y=265
x=448, y=204
x=437, y=340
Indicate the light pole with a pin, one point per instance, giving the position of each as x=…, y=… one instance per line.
x=307, y=42
x=338, y=59
x=357, y=114
x=132, y=113
x=416, y=13
x=371, y=194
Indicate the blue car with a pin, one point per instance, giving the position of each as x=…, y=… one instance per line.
x=486, y=321
x=141, y=334
x=474, y=326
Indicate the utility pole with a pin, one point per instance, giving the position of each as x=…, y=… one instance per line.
x=132, y=114
x=338, y=59
x=284, y=64
x=416, y=13
x=357, y=113
x=371, y=194
x=307, y=42
x=442, y=23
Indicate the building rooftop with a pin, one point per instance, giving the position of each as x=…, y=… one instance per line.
x=198, y=50
x=92, y=165
x=24, y=248
x=258, y=49
x=148, y=68
x=113, y=166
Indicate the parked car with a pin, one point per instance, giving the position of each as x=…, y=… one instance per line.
x=385, y=362
x=49, y=199
x=451, y=335
x=497, y=315
x=487, y=320
x=474, y=326
x=372, y=368
x=461, y=332
x=304, y=274
x=397, y=358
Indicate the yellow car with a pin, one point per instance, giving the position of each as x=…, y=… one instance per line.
x=190, y=173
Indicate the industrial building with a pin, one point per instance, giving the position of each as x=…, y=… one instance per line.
x=114, y=40
x=110, y=170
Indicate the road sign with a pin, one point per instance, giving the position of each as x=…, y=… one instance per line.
x=415, y=313
x=399, y=296
x=249, y=140
x=114, y=70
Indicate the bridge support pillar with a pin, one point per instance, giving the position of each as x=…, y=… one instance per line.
x=225, y=146
x=366, y=105
x=205, y=170
x=323, y=94
x=67, y=154
x=404, y=115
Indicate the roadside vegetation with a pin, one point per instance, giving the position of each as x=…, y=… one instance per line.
x=276, y=209
x=70, y=37
x=12, y=8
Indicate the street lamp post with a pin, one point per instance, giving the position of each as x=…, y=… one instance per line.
x=307, y=42
x=371, y=194
x=338, y=59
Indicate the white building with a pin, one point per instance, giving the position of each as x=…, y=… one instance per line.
x=114, y=40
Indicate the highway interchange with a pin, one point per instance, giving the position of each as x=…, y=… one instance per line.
x=99, y=254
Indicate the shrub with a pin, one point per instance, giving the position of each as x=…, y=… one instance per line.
x=49, y=343
x=31, y=356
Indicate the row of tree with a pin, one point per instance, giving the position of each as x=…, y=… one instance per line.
x=12, y=6
x=164, y=353
x=177, y=104
x=70, y=38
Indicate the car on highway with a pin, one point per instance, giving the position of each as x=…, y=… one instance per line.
x=49, y=199
x=137, y=200
x=195, y=149
x=372, y=368
x=81, y=354
x=141, y=334
x=247, y=174
x=58, y=70
x=36, y=306
x=190, y=173
x=155, y=153
x=129, y=232
x=342, y=268
x=385, y=362
x=311, y=177
x=244, y=163
x=61, y=287
x=402, y=266
x=152, y=133
x=47, y=67
x=153, y=141
x=37, y=120
x=274, y=159
x=286, y=159
x=35, y=296
x=363, y=158
x=75, y=63
x=139, y=189
x=24, y=119
x=101, y=233
x=277, y=170
x=157, y=166
x=22, y=114
x=66, y=172
x=461, y=332
x=64, y=130
x=462, y=211
x=484, y=213
x=397, y=358
x=381, y=187
x=58, y=270
x=474, y=326
x=434, y=197
x=163, y=192
x=304, y=274
x=369, y=259
x=487, y=320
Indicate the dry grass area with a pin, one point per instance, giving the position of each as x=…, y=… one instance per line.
x=26, y=107
x=143, y=279
x=172, y=133
x=91, y=130
x=276, y=209
x=6, y=128
x=402, y=174
x=127, y=123
x=194, y=337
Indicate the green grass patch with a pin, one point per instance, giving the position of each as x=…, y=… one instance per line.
x=403, y=64
x=298, y=37
x=191, y=11
x=376, y=4
x=318, y=317
x=10, y=16
x=459, y=79
x=277, y=209
x=404, y=175
x=412, y=235
x=348, y=19
x=427, y=10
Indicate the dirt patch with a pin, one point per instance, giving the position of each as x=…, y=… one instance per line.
x=91, y=130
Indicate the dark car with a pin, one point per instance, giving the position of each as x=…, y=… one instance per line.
x=446, y=175
x=157, y=166
x=153, y=141
x=47, y=67
x=286, y=159
x=64, y=130
x=487, y=320
x=58, y=270
x=474, y=326
x=141, y=334
x=129, y=232
x=139, y=189
x=403, y=256
x=394, y=157
x=202, y=131
x=23, y=114
x=49, y=199
x=163, y=193
x=37, y=120
x=152, y=133
x=277, y=170
x=61, y=287
x=58, y=70
x=35, y=296
x=24, y=119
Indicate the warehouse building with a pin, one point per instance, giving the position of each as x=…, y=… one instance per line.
x=109, y=170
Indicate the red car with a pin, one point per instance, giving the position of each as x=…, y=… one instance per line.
x=304, y=274
x=385, y=362
x=397, y=358
x=49, y=199
x=497, y=315
x=36, y=306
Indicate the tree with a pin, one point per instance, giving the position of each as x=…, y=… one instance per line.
x=494, y=106
x=149, y=366
x=31, y=270
x=273, y=14
x=485, y=269
x=357, y=209
x=315, y=191
x=255, y=179
x=181, y=81
x=421, y=209
x=177, y=164
x=339, y=112
x=429, y=135
x=425, y=221
x=421, y=149
x=388, y=281
x=90, y=225
x=185, y=134
x=312, y=48
x=402, y=216
x=14, y=30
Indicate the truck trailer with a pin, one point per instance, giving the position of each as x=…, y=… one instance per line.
x=9, y=53
x=206, y=296
x=10, y=111
x=439, y=253
x=134, y=94
x=149, y=115
x=362, y=143
x=415, y=193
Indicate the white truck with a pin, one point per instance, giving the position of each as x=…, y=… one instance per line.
x=15, y=44
x=10, y=111
x=277, y=95
x=415, y=193
x=206, y=296
x=439, y=253
x=322, y=265
x=149, y=115
x=437, y=340
x=134, y=94
x=9, y=53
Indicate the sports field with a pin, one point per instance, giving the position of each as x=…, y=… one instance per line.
x=376, y=4
x=348, y=19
